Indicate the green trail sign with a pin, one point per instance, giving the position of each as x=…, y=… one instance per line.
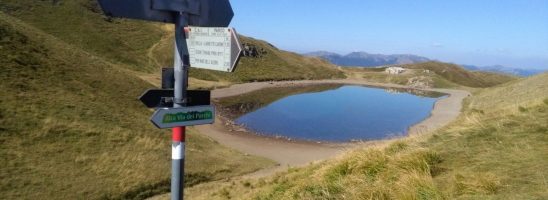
x=183, y=116
x=187, y=116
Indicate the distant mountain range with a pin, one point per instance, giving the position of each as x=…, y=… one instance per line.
x=363, y=59
x=504, y=70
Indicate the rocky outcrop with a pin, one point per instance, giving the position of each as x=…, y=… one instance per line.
x=420, y=82
x=250, y=50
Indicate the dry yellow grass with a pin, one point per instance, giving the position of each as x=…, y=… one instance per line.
x=71, y=127
x=512, y=95
x=495, y=150
x=432, y=74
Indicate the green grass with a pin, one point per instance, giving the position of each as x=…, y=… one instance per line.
x=71, y=127
x=494, y=156
x=461, y=76
x=363, y=174
x=496, y=149
x=81, y=24
x=146, y=47
x=439, y=75
x=511, y=95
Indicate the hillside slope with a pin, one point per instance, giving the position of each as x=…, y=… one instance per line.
x=71, y=127
x=505, y=97
x=82, y=24
x=497, y=149
x=431, y=74
x=146, y=47
x=269, y=64
x=461, y=76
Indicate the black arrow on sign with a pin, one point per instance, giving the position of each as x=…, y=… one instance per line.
x=154, y=98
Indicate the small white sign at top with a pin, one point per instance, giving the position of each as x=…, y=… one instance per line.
x=214, y=48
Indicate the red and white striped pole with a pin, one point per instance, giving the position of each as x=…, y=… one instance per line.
x=177, y=162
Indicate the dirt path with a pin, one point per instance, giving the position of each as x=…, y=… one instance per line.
x=286, y=153
x=290, y=153
x=168, y=34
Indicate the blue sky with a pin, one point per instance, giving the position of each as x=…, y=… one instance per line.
x=513, y=33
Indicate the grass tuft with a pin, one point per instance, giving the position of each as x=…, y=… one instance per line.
x=397, y=146
x=479, y=183
x=493, y=151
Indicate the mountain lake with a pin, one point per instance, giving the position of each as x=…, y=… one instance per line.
x=332, y=113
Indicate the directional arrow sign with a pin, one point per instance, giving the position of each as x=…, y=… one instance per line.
x=184, y=116
x=153, y=98
x=213, y=13
x=209, y=13
x=213, y=48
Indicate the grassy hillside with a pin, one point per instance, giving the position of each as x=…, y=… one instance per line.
x=146, y=47
x=500, y=149
x=271, y=64
x=71, y=127
x=461, y=76
x=68, y=115
x=413, y=77
x=82, y=24
x=496, y=150
x=512, y=94
x=432, y=74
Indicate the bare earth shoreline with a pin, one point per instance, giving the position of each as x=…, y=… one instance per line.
x=298, y=153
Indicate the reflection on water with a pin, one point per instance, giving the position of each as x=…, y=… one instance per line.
x=341, y=113
x=417, y=92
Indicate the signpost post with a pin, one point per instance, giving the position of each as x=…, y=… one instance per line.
x=181, y=65
x=215, y=48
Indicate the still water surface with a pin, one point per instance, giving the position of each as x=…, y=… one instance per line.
x=342, y=114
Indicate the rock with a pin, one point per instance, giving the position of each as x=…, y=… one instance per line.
x=250, y=50
x=420, y=82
